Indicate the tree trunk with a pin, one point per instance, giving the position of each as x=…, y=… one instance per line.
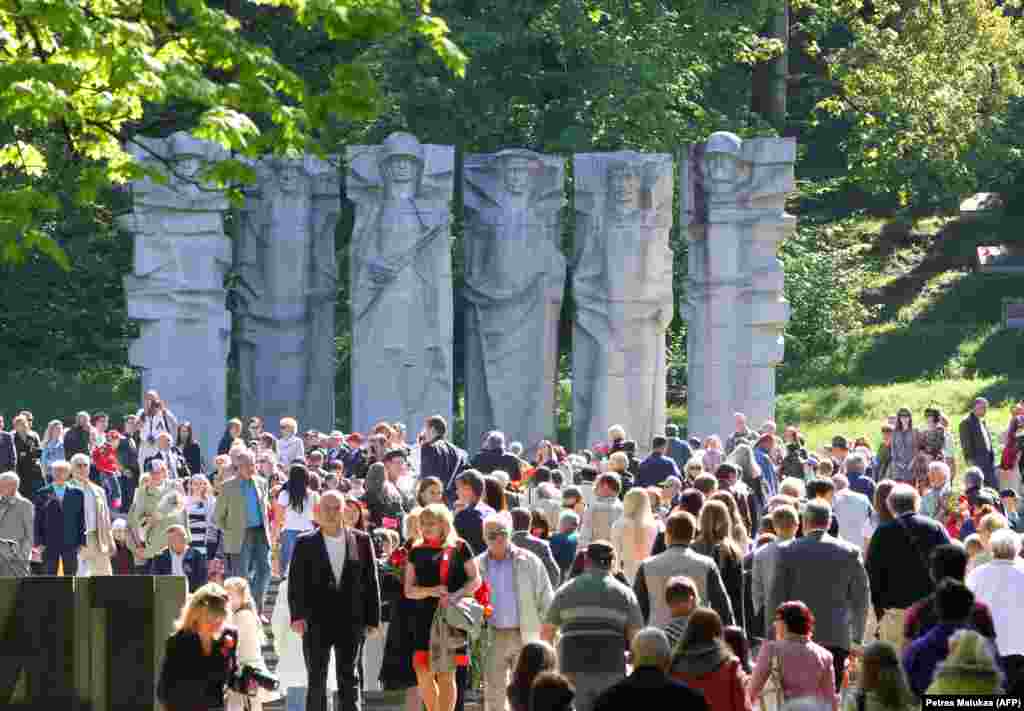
x=768, y=90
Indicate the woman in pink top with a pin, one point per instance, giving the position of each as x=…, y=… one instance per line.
x=806, y=667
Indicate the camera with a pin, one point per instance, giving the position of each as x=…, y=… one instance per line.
x=250, y=679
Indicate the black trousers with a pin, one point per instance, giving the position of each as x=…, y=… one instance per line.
x=1014, y=666
x=839, y=664
x=69, y=554
x=318, y=641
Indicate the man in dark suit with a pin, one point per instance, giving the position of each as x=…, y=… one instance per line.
x=657, y=467
x=60, y=522
x=678, y=450
x=334, y=598
x=439, y=457
x=899, y=564
x=76, y=439
x=179, y=559
x=649, y=684
x=839, y=600
x=976, y=442
x=493, y=456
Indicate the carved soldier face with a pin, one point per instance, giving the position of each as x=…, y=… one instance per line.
x=624, y=188
x=288, y=178
x=722, y=171
x=400, y=170
x=516, y=175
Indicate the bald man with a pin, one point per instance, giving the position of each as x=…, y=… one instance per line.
x=649, y=683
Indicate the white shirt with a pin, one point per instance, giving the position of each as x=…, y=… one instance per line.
x=336, y=552
x=90, y=508
x=290, y=449
x=1000, y=585
x=293, y=520
x=177, y=563
x=853, y=511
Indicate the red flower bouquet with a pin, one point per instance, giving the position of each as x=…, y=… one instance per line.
x=396, y=562
x=483, y=596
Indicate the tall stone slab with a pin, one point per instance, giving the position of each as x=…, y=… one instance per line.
x=733, y=196
x=176, y=291
x=286, y=256
x=622, y=285
x=515, y=276
x=401, y=281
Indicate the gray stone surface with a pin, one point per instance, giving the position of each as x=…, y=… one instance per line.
x=286, y=256
x=401, y=281
x=733, y=196
x=176, y=291
x=515, y=276
x=622, y=285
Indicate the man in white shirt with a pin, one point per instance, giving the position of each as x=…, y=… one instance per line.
x=1000, y=585
x=852, y=510
x=99, y=541
x=166, y=454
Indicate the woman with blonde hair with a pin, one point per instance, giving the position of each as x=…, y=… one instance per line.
x=634, y=532
x=52, y=447
x=881, y=684
x=199, y=506
x=989, y=524
x=250, y=642
x=715, y=541
x=440, y=572
x=201, y=654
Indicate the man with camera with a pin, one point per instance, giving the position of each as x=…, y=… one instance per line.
x=154, y=418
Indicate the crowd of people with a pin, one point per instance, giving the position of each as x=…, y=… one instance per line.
x=730, y=572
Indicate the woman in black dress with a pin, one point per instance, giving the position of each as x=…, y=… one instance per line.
x=440, y=571
x=201, y=655
x=396, y=671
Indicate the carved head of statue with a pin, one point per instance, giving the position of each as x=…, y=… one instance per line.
x=289, y=176
x=723, y=166
x=401, y=159
x=189, y=156
x=625, y=179
x=517, y=167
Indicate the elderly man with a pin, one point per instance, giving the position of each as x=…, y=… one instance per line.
x=520, y=596
x=649, y=686
x=785, y=521
x=157, y=506
x=60, y=522
x=598, y=617
x=99, y=542
x=856, y=466
x=290, y=447
x=679, y=559
x=180, y=559
x=838, y=599
x=1000, y=585
x=898, y=562
x=17, y=520
x=935, y=502
x=976, y=442
x=242, y=514
x=742, y=434
x=166, y=453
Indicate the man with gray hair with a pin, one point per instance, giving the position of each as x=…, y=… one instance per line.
x=598, y=617
x=860, y=482
x=493, y=455
x=650, y=684
x=1000, y=585
x=17, y=521
x=828, y=575
x=935, y=503
x=853, y=510
x=898, y=562
x=520, y=595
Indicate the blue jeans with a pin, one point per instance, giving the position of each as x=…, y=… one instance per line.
x=253, y=563
x=287, y=547
x=295, y=699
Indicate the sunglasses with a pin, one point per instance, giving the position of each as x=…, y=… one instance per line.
x=495, y=535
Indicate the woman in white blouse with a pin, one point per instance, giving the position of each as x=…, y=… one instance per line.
x=250, y=643
x=634, y=533
x=294, y=511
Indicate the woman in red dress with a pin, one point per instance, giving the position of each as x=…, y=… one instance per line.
x=440, y=571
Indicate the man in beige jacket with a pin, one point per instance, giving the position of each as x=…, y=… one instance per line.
x=242, y=514
x=99, y=542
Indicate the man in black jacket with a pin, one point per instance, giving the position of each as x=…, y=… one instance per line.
x=495, y=456
x=439, y=457
x=76, y=439
x=333, y=569
x=180, y=559
x=898, y=562
x=976, y=442
x=649, y=685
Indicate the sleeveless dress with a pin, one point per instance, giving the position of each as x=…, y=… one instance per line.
x=427, y=560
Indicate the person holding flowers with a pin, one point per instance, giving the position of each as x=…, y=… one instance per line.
x=515, y=593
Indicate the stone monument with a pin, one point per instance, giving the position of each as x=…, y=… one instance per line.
x=515, y=275
x=733, y=195
x=401, y=282
x=622, y=285
x=286, y=257
x=176, y=292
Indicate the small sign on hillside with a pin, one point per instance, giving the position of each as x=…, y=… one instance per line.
x=1013, y=313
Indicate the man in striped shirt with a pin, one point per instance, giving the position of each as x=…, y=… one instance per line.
x=597, y=616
